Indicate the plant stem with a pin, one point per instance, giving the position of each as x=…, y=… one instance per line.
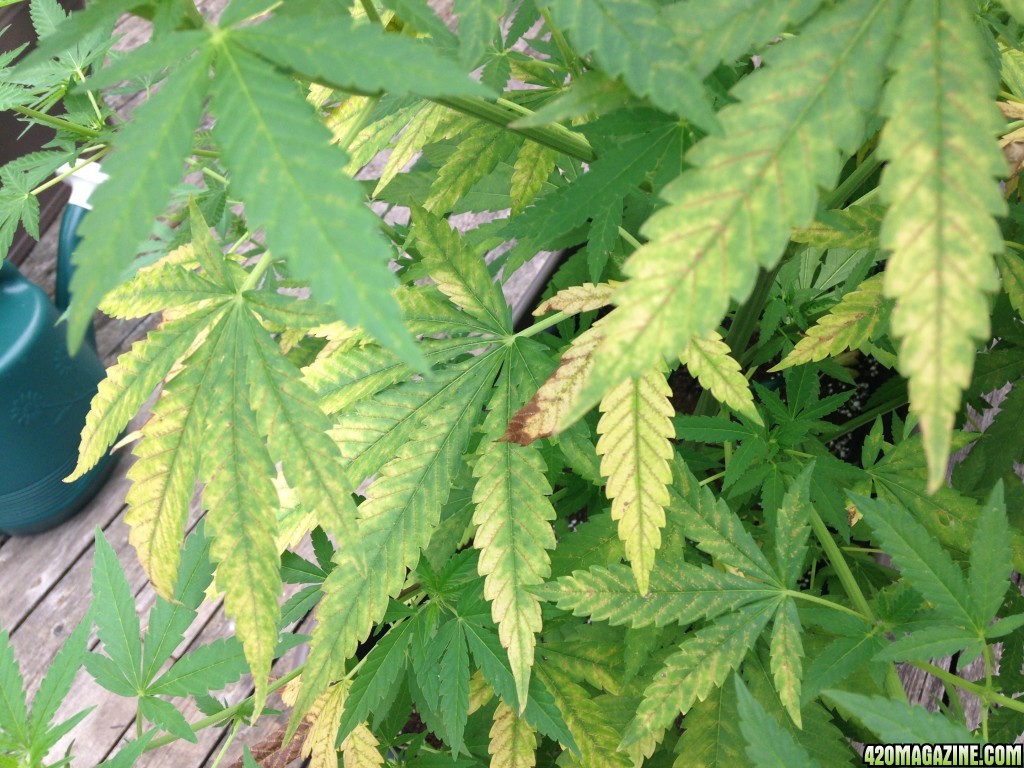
x=849, y=582
x=254, y=277
x=988, y=696
x=503, y=112
x=227, y=712
x=57, y=122
x=542, y=325
x=227, y=743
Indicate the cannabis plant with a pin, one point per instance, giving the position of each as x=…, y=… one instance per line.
x=645, y=528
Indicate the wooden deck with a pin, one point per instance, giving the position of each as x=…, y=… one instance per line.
x=46, y=590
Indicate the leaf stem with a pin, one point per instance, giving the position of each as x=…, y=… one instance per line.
x=630, y=239
x=795, y=593
x=371, y=11
x=60, y=177
x=568, y=55
x=56, y=122
x=854, y=181
x=988, y=696
x=227, y=743
x=542, y=325
x=227, y=712
x=502, y=112
x=849, y=582
x=254, y=277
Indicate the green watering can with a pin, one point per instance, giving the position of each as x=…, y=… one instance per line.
x=45, y=393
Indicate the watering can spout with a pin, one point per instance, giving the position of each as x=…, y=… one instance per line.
x=45, y=395
x=83, y=183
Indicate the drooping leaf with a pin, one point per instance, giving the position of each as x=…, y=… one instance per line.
x=460, y=274
x=541, y=416
x=792, y=529
x=534, y=164
x=611, y=177
x=243, y=504
x=713, y=33
x=513, y=533
x=319, y=744
x=454, y=671
x=594, y=731
x=991, y=562
x=164, y=477
x=114, y=611
x=854, y=227
x=54, y=688
x=168, y=620
x=328, y=46
x=132, y=380
x=635, y=447
x=629, y=38
x=312, y=213
x=360, y=749
x=395, y=523
x=150, y=150
x=477, y=154
x=787, y=658
x=712, y=736
x=380, y=669
x=296, y=432
x=1011, y=269
x=13, y=708
x=681, y=593
x=701, y=252
x=943, y=200
x=579, y=298
x=897, y=722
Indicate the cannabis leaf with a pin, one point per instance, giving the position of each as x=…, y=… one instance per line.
x=512, y=741
x=767, y=743
x=395, y=522
x=337, y=248
x=942, y=202
x=764, y=181
x=710, y=361
x=848, y=325
x=635, y=446
x=148, y=157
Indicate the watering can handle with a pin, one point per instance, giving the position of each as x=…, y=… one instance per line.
x=83, y=181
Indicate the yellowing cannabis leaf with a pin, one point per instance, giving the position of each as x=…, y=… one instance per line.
x=635, y=445
x=710, y=361
x=940, y=184
x=848, y=325
x=732, y=213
